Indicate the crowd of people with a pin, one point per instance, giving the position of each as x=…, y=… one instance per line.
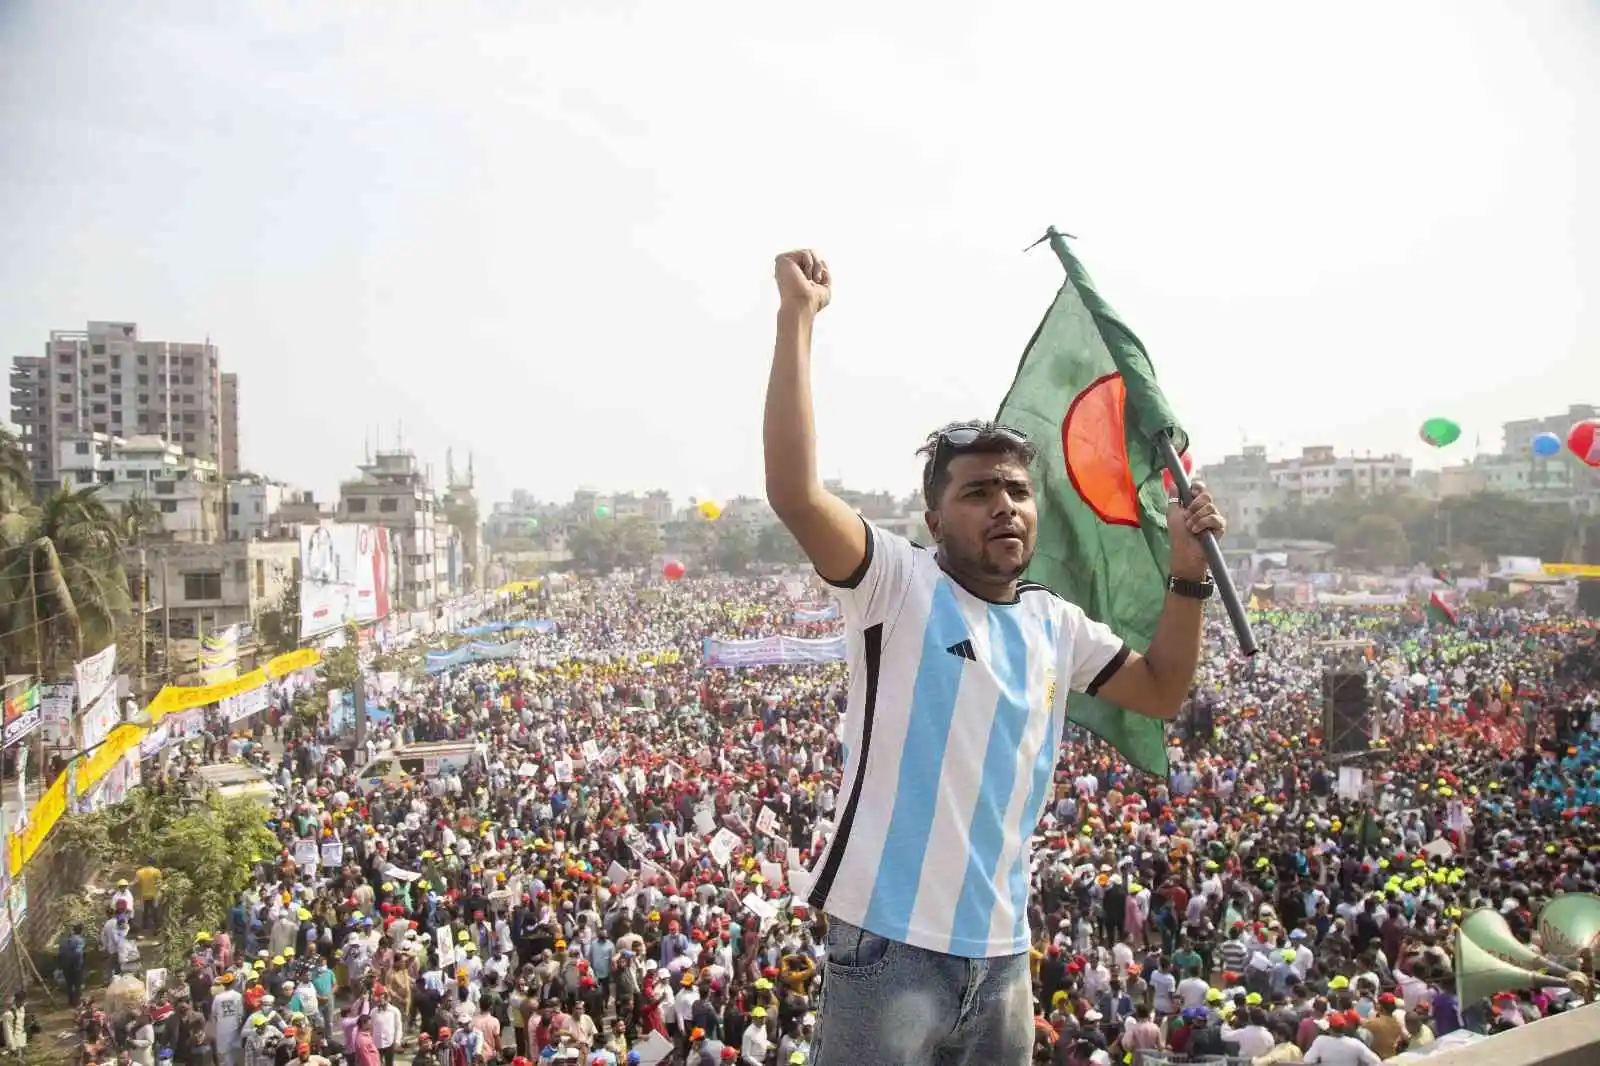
x=603, y=860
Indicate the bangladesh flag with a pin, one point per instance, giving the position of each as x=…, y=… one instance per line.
x=1440, y=611
x=1086, y=395
x=1442, y=604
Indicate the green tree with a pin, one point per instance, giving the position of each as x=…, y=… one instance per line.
x=607, y=544
x=279, y=625
x=775, y=544
x=138, y=518
x=1374, y=540
x=734, y=548
x=16, y=478
x=63, y=588
x=206, y=850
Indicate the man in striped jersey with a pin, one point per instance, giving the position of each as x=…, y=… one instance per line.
x=954, y=716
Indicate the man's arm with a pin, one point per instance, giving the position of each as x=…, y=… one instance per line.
x=830, y=532
x=1155, y=683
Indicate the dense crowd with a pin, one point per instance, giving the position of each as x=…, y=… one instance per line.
x=608, y=865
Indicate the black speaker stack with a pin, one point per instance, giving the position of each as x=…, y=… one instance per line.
x=1346, y=710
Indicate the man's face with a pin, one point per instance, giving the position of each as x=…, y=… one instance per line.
x=987, y=518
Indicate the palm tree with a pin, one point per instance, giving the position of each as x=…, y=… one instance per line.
x=63, y=589
x=16, y=479
x=139, y=518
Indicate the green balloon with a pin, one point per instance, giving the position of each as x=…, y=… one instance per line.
x=1440, y=432
x=602, y=511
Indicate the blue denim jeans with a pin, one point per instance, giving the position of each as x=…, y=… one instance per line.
x=885, y=1003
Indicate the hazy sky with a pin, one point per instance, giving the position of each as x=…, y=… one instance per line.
x=542, y=230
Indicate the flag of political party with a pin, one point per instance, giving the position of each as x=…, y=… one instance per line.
x=1442, y=603
x=1086, y=395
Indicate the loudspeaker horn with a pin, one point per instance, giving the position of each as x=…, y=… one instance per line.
x=1480, y=973
x=1488, y=932
x=1568, y=925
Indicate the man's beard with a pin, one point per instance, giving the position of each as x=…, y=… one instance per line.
x=978, y=564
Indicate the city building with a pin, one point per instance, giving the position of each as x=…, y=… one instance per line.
x=1318, y=474
x=517, y=518
x=255, y=508
x=104, y=379
x=196, y=589
x=186, y=491
x=393, y=491
x=230, y=425
x=302, y=509
x=1244, y=482
x=1519, y=433
x=465, y=556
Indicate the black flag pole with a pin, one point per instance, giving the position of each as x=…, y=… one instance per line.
x=1174, y=464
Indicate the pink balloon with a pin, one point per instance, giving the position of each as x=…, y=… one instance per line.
x=673, y=570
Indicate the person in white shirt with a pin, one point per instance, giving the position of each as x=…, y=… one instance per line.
x=1255, y=1039
x=755, y=1047
x=387, y=1025
x=959, y=675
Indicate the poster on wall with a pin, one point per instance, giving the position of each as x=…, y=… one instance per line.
x=344, y=575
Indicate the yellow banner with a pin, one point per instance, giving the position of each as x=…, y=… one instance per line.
x=43, y=818
x=172, y=699
x=519, y=586
x=23, y=845
x=1572, y=570
x=289, y=662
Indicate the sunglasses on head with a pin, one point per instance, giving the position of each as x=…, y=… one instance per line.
x=965, y=436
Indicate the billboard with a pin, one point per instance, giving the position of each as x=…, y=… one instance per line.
x=344, y=575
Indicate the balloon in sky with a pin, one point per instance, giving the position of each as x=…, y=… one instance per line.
x=673, y=570
x=710, y=511
x=1584, y=441
x=1440, y=432
x=1546, y=444
x=533, y=525
x=602, y=511
x=1166, y=478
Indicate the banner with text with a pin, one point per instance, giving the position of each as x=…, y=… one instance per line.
x=772, y=651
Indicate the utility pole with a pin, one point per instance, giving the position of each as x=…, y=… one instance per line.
x=359, y=700
x=166, y=619
x=144, y=605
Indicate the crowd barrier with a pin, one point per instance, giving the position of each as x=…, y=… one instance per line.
x=83, y=774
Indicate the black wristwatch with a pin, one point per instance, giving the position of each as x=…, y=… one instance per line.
x=1194, y=590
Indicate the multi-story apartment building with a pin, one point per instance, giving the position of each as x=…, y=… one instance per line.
x=104, y=379
x=230, y=425
x=1318, y=474
x=393, y=491
x=186, y=491
x=255, y=508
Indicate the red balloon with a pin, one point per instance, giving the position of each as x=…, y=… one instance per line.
x=1584, y=440
x=673, y=570
x=1166, y=478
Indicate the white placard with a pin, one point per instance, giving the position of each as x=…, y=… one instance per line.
x=94, y=675
x=722, y=846
x=760, y=908
x=616, y=874
x=767, y=820
x=1352, y=782
x=591, y=751
x=563, y=771
x=333, y=853
x=305, y=853
x=705, y=820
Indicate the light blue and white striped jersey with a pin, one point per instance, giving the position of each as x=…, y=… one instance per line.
x=951, y=731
